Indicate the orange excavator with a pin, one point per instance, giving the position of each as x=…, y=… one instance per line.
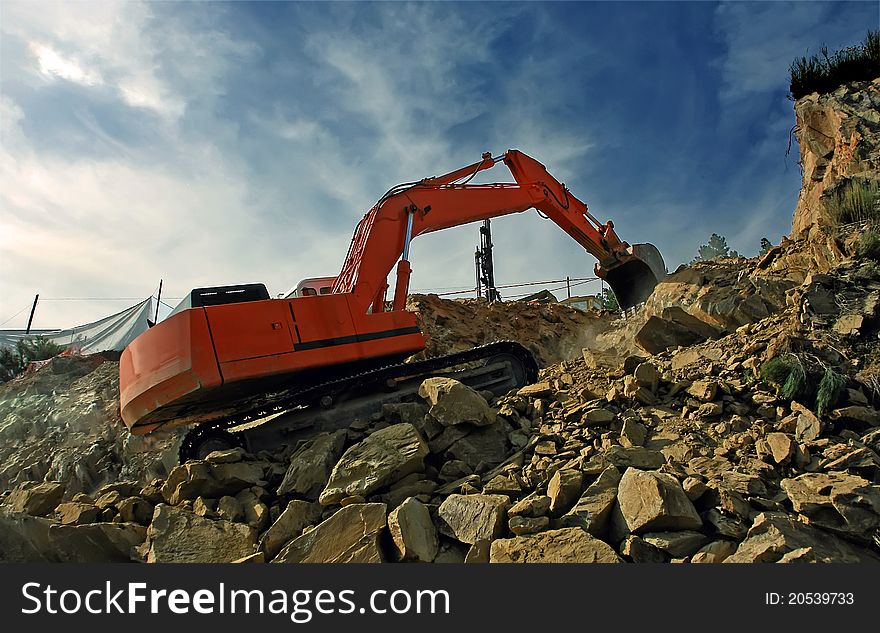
x=252, y=371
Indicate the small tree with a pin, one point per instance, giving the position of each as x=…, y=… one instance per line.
x=609, y=300
x=14, y=362
x=766, y=245
x=717, y=247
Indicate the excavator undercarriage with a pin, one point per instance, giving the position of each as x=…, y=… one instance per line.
x=286, y=417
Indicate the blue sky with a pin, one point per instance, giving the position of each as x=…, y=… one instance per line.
x=209, y=143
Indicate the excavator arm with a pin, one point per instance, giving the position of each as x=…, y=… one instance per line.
x=407, y=211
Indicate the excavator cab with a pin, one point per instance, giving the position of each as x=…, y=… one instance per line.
x=634, y=275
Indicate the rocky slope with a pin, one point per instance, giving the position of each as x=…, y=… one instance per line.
x=689, y=454
x=839, y=138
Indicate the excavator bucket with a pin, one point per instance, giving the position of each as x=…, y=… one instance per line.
x=634, y=277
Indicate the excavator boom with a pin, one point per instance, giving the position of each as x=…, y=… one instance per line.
x=433, y=204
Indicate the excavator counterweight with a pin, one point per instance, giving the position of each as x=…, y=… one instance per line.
x=230, y=356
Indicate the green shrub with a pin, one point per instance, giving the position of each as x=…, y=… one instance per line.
x=856, y=200
x=14, y=362
x=824, y=73
x=869, y=245
x=787, y=376
x=830, y=388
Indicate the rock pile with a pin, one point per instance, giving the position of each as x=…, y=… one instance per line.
x=686, y=455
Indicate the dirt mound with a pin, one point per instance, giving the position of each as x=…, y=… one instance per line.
x=553, y=332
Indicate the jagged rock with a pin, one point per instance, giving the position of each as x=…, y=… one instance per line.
x=289, y=525
x=108, y=499
x=703, y=390
x=469, y=518
x=568, y=545
x=564, y=488
x=632, y=433
x=255, y=512
x=599, y=417
x=651, y=501
x=24, y=538
x=865, y=414
x=381, y=459
x=658, y=335
x=351, y=535
x=593, y=510
x=697, y=326
x=478, y=552
x=36, y=498
x=693, y=488
x=229, y=456
x=413, y=532
x=808, y=425
x=676, y=544
x=647, y=375
x=836, y=501
x=456, y=553
x=228, y=509
x=177, y=535
x=521, y=525
x=639, y=550
x=198, y=479
x=72, y=513
x=311, y=465
x=534, y=505
x=782, y=446
x=714, y=552
x=775, y=535
x=135, y=510
x=727, y=525
x=204, y=507
x=482, y=448
x=634, y=456
x=256, y=557
x=537, y=390
x=454, y=403
x=96, y=542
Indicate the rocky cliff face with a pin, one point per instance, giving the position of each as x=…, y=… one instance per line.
x=839, y=138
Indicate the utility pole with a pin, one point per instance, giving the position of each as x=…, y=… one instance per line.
x=568, y=285
x=487, y=268
x=31, y=319
x=158, y=300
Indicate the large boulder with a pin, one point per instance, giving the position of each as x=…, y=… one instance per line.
x=36, y=498
x=177, y=535
x=24, y=538
x=568, y=545
x=652, y=502
x=454, y=403
x=413, y=532
x=351, y=535
x=564, y=488
x=96, y=543
x=776, y=537
x=382, y=459
x=289, y=525
x=593, y=510
x=470, y=518
x=311, y=465
x=836, y=501
x=200, y=479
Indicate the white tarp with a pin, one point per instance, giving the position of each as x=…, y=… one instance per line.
x=110, y=333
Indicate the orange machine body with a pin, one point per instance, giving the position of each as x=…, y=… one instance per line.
x=224, y=354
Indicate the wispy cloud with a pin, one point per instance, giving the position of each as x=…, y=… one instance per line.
x=209, y=143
